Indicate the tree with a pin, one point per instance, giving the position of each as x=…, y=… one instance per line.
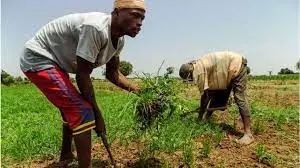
x=26, y=80
x=248, y=70
x=4, y=74
x=19, y=79
x=270, y=73
x=170, y=70
x=285, y=71
x=126, y=68
x=298, y=65
x=6, y=79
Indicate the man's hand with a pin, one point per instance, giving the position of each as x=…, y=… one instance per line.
x=116, y=77
x=135, y=88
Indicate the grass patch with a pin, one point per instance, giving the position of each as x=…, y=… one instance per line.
x=174, y=133
x=188, y=155
x=218, y=136
x=31, y=126
x=119, y=118
x=258, y=126
x=263, y=156
x=205, y=151
x=276, y=115
x=261, y=115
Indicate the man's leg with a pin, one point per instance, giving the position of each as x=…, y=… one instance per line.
x=83, y=147
x=244, y=110
x=66, y=148
x=239, y=85
x=60, y=91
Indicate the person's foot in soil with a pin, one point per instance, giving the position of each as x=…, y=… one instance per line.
x=63, y=164
x=246, y=139
x=66, y=159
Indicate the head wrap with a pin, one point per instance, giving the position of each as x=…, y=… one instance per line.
x=139, y=4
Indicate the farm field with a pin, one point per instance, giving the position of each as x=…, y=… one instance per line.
x=31, y=130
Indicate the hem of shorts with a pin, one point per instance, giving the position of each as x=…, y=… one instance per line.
x=87, y=129
x=84, y=127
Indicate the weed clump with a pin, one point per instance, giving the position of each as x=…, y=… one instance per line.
x=157, y=99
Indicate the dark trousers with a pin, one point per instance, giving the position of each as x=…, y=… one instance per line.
x=217, y=99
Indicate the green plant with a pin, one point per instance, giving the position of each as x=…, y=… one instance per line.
x=259, y=126
x=263, y=156
x=206, y=148
x=218, y=137
x=280, y=121
x=157, y=99
x=260, y=152
x=276, y=97
x=188, y=155
x=141, y=162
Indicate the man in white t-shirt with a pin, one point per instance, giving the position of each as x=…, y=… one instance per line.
x=217, y=74
x=78, y=43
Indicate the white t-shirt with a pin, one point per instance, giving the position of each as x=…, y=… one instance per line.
x=86, y=35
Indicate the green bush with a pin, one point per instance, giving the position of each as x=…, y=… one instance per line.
x=8, y=81
x=126, y=68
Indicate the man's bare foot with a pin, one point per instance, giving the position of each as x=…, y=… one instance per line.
x=63, y=164
x=246, y=139
x=67, y=157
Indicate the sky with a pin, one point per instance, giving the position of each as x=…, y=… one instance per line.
x=177, y=31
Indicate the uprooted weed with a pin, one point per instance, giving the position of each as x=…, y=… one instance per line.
x=157, y=99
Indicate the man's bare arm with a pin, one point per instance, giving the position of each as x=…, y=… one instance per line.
x=115, y=76
x=84, y=83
